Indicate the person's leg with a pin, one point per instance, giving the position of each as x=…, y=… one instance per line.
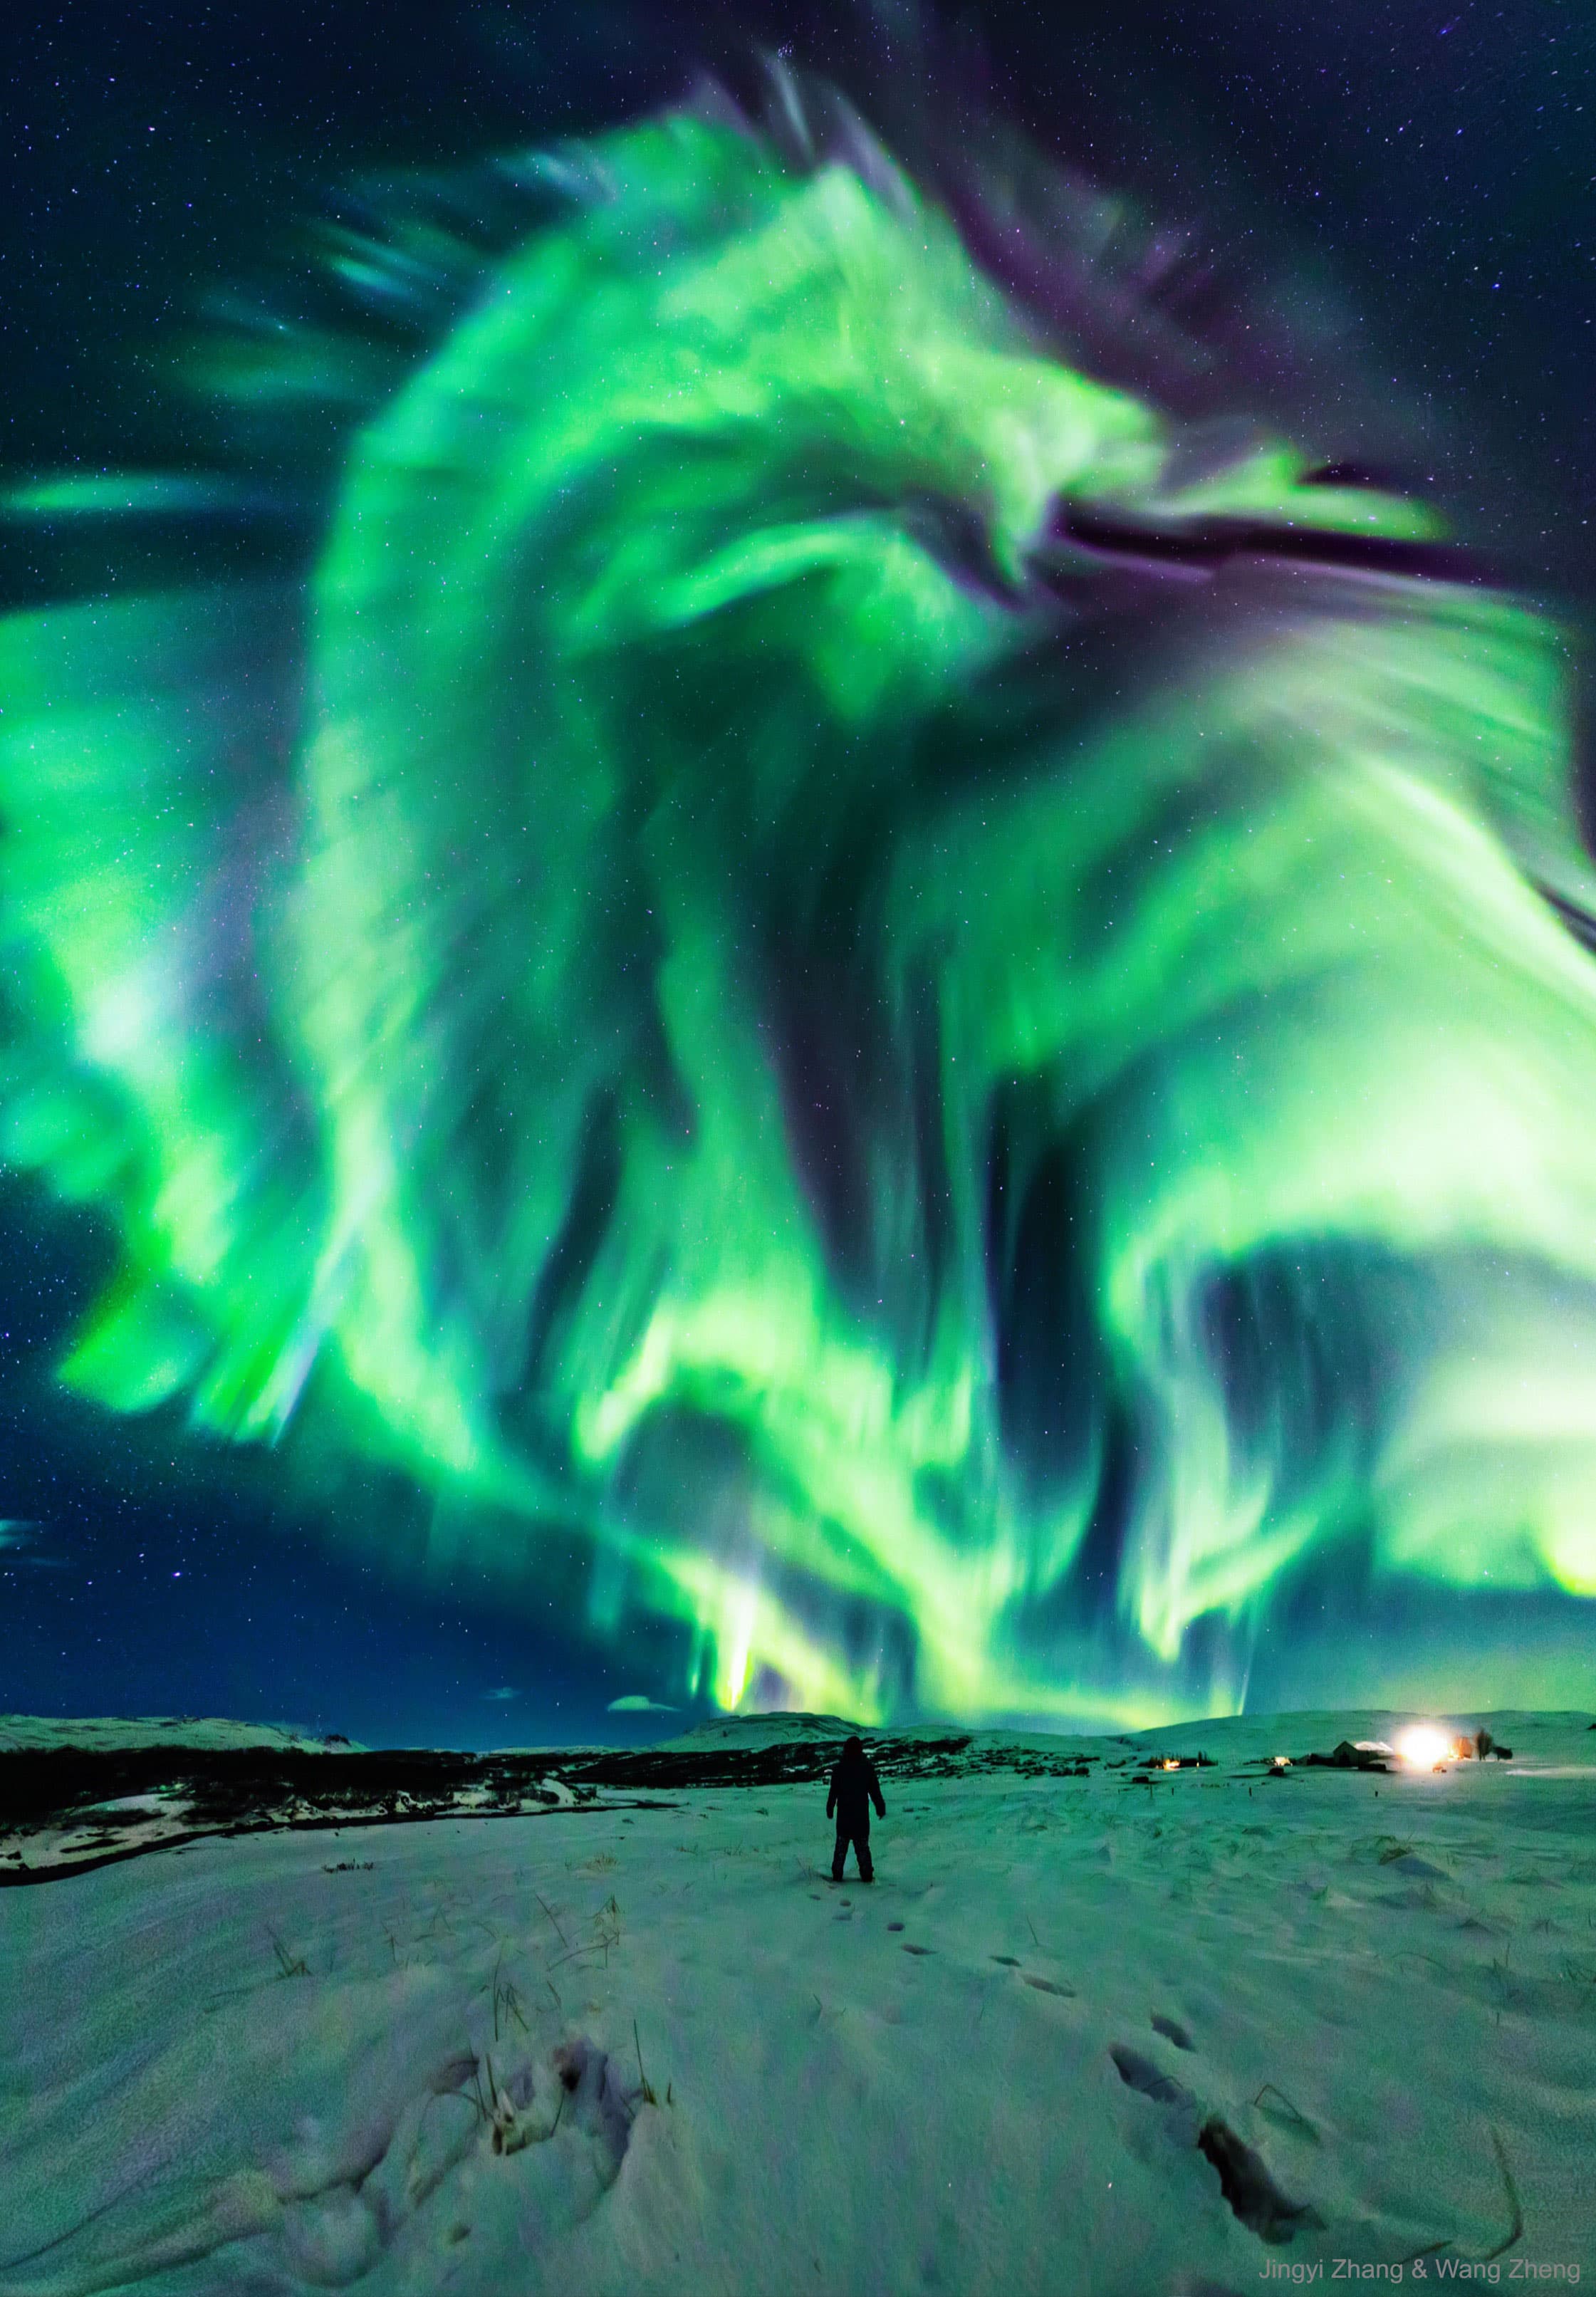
x=839, y=1853
x=861, y=1844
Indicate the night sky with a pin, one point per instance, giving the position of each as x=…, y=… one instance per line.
x=1431, y=168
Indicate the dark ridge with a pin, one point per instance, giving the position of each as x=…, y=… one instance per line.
x=255, y=1789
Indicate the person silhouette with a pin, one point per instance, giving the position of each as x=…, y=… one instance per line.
x=854, y=1787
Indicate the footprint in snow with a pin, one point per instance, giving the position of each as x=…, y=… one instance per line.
x=566, y=2115
x=1139, y=2073
x=1245, y=2179
x=396, y=2180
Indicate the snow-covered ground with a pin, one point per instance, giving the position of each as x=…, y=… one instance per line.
x=1070, y=2017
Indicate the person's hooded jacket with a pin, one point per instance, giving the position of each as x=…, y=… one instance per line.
x=854, y=1787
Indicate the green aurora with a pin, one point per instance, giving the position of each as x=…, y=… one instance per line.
x=707, y=983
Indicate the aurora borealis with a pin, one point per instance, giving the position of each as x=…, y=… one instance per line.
x=930, y=1011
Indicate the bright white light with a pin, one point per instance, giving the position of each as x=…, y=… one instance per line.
x=1424, y=1745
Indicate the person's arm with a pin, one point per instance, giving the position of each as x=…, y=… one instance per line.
x=875, y=1793
x=831, y=1799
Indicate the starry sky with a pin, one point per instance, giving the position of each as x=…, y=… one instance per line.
x=1427, y=166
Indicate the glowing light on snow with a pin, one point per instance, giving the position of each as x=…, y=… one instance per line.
x=1423, y=1746
x=659, y=991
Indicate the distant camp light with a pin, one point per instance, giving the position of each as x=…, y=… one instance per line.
x=1424, y=1745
